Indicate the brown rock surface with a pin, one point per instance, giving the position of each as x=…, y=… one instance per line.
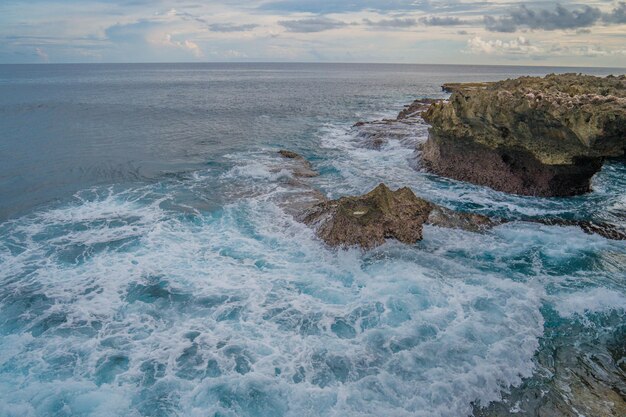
x=382, y=214
x=368, y=220
x=531, y=136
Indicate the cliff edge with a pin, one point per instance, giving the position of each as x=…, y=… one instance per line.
x=531, y=136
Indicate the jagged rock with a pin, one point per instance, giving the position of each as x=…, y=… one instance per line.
x=453, y=87
x=606, y=230
x=406, y=127
x=368, y=220
x=444, y=217
x=382, y=214
x=531, y=136
x=416, y=108
x=302, y=167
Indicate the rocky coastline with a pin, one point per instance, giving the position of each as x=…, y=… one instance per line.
x=530, y=136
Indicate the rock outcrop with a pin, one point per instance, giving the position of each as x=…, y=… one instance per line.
x=404, y=128
x=296, y=194
x=368, y=220
x=416, y=108
x=530, y=136
x=300, y=167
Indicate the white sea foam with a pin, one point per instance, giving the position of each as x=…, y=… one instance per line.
x=116, y=305
x=248, y=314
x=596, y=300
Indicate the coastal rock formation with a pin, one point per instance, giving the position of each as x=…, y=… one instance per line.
x=416, y=108
x=576, y=374
x=405, y=128
x=300, y=167
x=530, y=136
x=606, y=230
x=382, y=214
x=296, y=195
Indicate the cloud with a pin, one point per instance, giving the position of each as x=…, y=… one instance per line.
x=343, y=6
x=560, y=18
x=186, y=45
x=517, y=46
x=618, y=16
x=314, y=24
x=159, y=32
x=391, y=23
x=521, y=46
x=43, y=55
x=442, y=21
x=230, y=27
x=587, y=51
x=419, y=30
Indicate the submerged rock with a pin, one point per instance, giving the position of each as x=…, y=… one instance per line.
x=301, y=167
x=406, y=128
x=604, y=229
x=578, y=373
x=444, y=217
x=382, y=214
x=530, y=136
x=296, y=195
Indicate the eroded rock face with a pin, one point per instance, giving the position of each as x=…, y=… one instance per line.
x=368, y=220
x=531, y=136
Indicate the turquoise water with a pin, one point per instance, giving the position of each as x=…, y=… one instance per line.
x=148, y=269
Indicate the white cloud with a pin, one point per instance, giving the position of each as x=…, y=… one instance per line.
x=522, y=46
x=517, y=46
x=43, y=55
x=425, y=31
x=186, y=44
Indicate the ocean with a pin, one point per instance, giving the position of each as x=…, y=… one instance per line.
x=147, y=269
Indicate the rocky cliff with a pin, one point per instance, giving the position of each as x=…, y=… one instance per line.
x=531, y=136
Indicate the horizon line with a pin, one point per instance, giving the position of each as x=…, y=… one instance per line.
x=305, y=62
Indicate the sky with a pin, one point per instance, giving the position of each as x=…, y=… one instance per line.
x=500, y=32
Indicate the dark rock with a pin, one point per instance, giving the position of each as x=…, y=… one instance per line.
x=406, y=127
x=454, y=87
x=302, y=167
x=368, y=220
x=416, y=108
x=531, y=136
x=382, y=214
x=290, y=154
x=510, y=169
x=606, y=230
x=444, y=217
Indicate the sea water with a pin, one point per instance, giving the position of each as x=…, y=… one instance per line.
x=148, y=269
